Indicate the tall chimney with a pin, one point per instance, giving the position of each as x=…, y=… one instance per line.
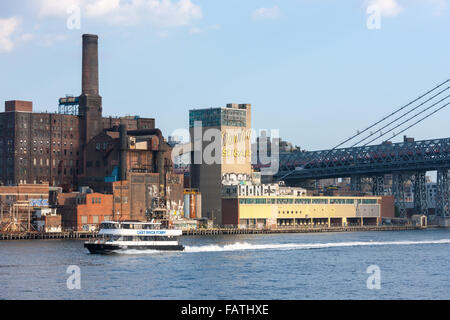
x=123, y=152
x=90, y=64
x=90, y=103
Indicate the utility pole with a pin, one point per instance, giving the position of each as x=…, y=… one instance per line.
x=1, y=210
x=29, y=218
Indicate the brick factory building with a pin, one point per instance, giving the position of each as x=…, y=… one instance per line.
x=84, y=211
x=126, y=159
x=136, y=166
x=40, y=147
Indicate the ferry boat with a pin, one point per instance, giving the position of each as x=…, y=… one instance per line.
x=116, y=236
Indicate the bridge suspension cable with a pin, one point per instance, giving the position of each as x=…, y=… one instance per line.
x=402, y=123
x=415, y=123
x=393, y=113
x=392, y=122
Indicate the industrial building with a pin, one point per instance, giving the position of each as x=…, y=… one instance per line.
x=277, y=210
x=127, y=159
x=233, y=195
x=84, y=211
x=232, y=157
x=38, y=147
x=135, y=166
x=19, y=204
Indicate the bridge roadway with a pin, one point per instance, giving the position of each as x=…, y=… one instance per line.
x=405, y=161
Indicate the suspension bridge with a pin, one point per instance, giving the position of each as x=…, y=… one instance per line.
x=363, y=159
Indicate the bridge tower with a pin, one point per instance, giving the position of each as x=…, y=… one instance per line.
x=356, y=183
x=443, y=192
x=420, y=193
x=378, y=185
x=398, y=191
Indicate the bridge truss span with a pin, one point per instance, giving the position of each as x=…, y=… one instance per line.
x=405, y=161
x=369, y=160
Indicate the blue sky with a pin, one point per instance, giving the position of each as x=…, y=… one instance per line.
x=310, y=68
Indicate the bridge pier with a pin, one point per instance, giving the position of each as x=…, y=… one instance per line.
x=420, y=193
x=356, y=183
x=398, y=190
x=442, y=194
x=378, y=185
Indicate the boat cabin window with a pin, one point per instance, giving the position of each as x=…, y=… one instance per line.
x=110, y=238
x=156, y=238
x=134, y=226
x=109, y=226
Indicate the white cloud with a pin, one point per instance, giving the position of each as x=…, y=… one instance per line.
x=161, y=13
x=56, y=8
x=266, y=13
x=7, y=28
x=389, y=8
x=102, y=7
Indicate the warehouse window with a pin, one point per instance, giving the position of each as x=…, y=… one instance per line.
x=320, y=201
x=369, y=201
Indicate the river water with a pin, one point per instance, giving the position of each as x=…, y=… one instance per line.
x=407, y=264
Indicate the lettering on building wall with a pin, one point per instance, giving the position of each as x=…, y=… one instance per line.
x=230, y=179
x=257, y=190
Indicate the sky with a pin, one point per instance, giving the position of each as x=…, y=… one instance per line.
x=316, y=70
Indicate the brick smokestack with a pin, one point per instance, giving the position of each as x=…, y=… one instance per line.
x=90, y=64
x=123, y=152
x=90, y=107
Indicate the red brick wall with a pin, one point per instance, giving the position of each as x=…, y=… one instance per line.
x=121, y=200
x=387, y=207
x=53, y=221
x=94, y=207
x=230, y=212
x=18, y=105
x=25, y=192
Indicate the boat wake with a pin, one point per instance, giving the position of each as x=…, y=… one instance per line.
x=304, y=246
x=244, y=246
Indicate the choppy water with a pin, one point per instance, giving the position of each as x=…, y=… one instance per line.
x=413, y=265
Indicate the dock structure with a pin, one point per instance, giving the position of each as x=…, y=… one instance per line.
x=231, y=231
x=206, y=232
x=47, y=235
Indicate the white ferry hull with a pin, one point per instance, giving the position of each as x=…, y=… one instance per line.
x=105, y=248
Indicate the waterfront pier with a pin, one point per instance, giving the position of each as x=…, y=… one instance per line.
x=205, y=232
